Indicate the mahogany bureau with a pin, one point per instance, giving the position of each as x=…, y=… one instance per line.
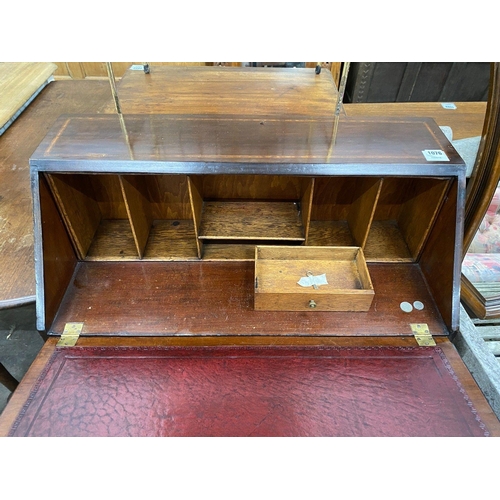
x=145, y=238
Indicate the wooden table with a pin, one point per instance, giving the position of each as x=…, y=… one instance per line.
x=228, y=91
x=17, y=277
x=465, y=121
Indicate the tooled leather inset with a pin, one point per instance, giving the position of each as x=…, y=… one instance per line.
x=249, y=391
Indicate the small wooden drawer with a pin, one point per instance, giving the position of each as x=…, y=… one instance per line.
x=278, y=270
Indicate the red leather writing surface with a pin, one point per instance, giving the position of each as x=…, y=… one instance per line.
x=248, y=391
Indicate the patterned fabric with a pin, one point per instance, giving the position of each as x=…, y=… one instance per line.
x=482, y=267
x=482, y=262
x=487, y=238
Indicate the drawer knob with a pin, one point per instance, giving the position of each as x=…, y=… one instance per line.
x=312, y=304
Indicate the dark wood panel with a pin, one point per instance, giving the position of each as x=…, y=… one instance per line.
x=441, y=258
x=207, y=141
x=250, y=187
x=59, y=259
x=169, y=196
x=79, y=209
x=216, y=298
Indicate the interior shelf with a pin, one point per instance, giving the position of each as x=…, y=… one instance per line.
x=385, y=243
x=222, y=217
x=255, y=220
x=113, y=240
x=330, y=233
x=171, y=240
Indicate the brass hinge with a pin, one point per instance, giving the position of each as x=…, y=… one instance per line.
x=70, y=334
x=422, y=334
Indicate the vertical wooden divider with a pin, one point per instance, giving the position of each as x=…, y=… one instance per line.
x=362, y=210
x=78, y=208
x=419, y=213
x=139, y=211
x=306, y=206
x=196, y=200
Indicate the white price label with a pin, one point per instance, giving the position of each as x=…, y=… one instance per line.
x=435, y=155
x=448, y=105
x=137, y=67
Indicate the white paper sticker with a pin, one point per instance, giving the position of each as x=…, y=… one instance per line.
x=448, y=105
x=435, y=155
x=313, y=280
x=137, y=67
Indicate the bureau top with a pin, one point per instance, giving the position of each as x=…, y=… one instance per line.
x=246, y=144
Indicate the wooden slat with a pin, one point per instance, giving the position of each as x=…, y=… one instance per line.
x=76, y=70
x=138, y=208
x=306, y=206
x=489, y=332
x=79, y=210
x=494, y=347
x=363, y=208
x=197, y=208
x=419, y=212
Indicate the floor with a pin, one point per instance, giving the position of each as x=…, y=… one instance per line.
x=19, y=343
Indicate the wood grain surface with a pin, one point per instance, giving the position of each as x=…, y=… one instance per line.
x=177, y=141
x=215, y=91
x=465, y=121
x=17, y=283
x=278, y=270
x=18, y=83
x=217, y=298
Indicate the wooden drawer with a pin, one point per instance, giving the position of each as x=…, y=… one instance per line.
x=279, y=272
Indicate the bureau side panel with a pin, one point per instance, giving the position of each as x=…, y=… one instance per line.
x=55, y=259
x=440, y=259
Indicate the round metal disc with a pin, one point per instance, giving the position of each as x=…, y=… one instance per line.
x=406, y=307
x=418, y=305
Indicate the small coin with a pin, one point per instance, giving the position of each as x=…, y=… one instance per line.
x=406, y=307
x=418, y=305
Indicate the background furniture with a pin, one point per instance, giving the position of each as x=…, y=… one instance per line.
x=417, y=81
